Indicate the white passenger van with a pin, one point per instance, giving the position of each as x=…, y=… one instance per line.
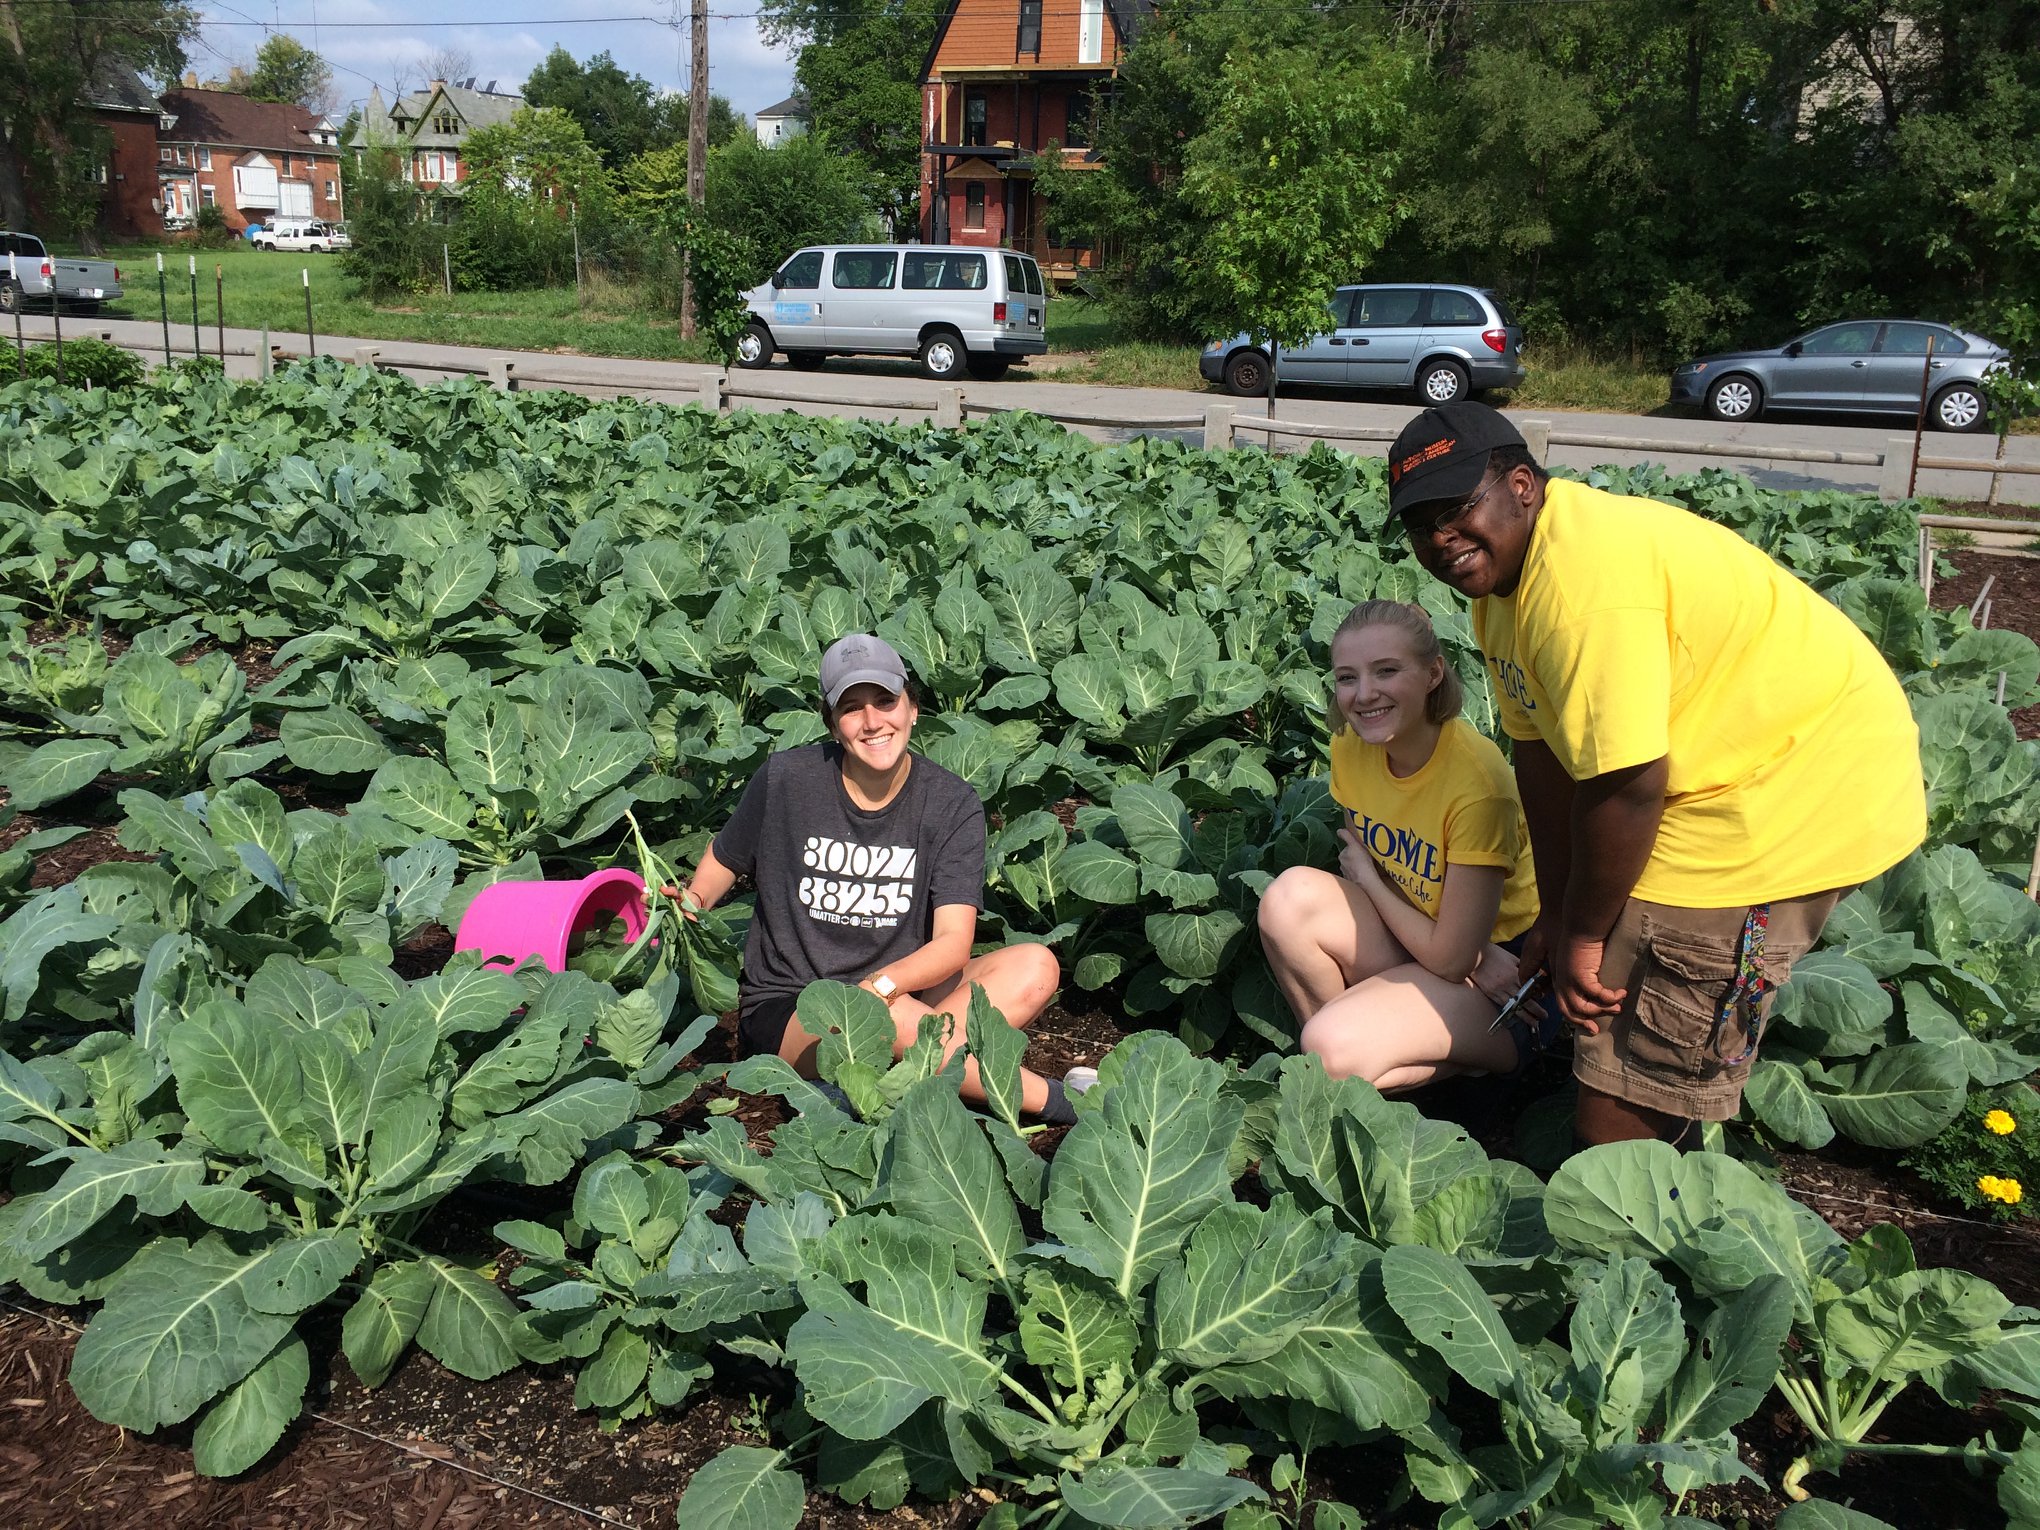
x=956, y=307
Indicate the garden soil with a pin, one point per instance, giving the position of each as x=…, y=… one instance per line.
x=431, y=1450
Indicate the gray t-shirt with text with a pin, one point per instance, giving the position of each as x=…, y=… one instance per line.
x=842, y=891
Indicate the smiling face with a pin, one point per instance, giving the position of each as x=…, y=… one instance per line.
x=1478, y=544
x=1379, y=685
x=874, y=725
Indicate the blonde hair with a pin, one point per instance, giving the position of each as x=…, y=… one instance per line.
x=1445, y=699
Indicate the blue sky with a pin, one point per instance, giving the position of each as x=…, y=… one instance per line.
x=386, y=41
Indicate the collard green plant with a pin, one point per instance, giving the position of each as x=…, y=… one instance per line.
x=240, y=1159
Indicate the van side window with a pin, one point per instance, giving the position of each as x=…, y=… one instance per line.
x=1387, y=308
x=804, y=270
x=1033, y=277
x=1016, y=274
x=864, y=268
x=1448, y=307
x=948, y=273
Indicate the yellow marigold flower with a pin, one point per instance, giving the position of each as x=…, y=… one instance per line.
x=2001, y=1122
x=2005, y=1190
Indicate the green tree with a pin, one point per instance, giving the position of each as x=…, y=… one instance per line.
x=1250, y=166
x=529, y=180
x=622, y=114
x=286, y=70
x=48, y=54
x=778, y=199
x=859, y=68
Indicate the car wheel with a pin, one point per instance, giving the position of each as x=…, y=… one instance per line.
x=943, y=356
x=754, y=347
x=1441, y=382
x=1246, y=374
x=805, y=361
x=988, y=368
x=10, y=297
x=1960, y=406
x=1735, y=398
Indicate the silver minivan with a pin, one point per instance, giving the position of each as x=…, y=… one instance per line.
x=1443, y=341
x=957, y=308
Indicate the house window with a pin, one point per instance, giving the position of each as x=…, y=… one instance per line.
x=444, y=123
x=974, y=205
x=450, y=163
x=180, y=157
x=1030, y=28
x=163, y=154
x=205, y=159
x=1077, y=135
x=975, y=108
x=329, y=191
x=208, y=196
x=1883, y=40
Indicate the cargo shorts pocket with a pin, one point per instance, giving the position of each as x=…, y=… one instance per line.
x=1682, y=986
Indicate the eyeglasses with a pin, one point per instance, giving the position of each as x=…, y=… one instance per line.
x=1422, y=526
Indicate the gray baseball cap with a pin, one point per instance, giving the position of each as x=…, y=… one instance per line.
x=860, y=659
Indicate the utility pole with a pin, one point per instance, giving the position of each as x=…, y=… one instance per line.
x=697, y=151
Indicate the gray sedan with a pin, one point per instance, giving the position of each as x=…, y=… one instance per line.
x=1872, y=365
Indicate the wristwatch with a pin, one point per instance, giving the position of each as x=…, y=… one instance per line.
x=885, y=988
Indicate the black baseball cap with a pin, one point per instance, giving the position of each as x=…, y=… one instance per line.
x=1443, y=453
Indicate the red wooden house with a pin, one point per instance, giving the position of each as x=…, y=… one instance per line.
x=1005, y=78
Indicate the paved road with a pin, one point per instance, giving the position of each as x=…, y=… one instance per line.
x=893, y=391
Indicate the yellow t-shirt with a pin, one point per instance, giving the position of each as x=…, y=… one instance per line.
x=1641, y=631
x=1459, y=809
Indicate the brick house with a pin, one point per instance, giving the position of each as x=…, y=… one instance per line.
x=256, y=161
x=1003, y=79
x=429, y=127
x=130, y=116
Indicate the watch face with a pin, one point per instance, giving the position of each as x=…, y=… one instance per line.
x=885, y=987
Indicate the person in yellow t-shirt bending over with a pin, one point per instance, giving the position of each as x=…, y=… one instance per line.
x=1710, y=756
x=1395, y=967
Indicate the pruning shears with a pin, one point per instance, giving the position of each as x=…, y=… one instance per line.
x=1533, y=985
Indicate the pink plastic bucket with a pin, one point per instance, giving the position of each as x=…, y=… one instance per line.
x=510, y=922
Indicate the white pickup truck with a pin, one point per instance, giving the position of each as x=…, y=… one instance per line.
x=30, y=274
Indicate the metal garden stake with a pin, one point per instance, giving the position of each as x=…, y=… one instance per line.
x=197, y=341
x=311, y=339
x=163, y=302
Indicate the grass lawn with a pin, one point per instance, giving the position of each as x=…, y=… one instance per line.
x=268, y=289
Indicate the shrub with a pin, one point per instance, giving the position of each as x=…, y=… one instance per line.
x=1989, y=1156
x=213, y=233
x=85, y=362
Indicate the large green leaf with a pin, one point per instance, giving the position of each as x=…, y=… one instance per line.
x=56, y=770
x=1443, y=1306
x=174, y=1333
x=385, y=1318
x=943, y=1172
x=747, y=1487
x=1073, y=1326
x=1196, y=945
x=1914, y=1321
x=1628, y=1337
x=1137, y=1174
x=460, y=575
x=333, y=741
x=297, y=1273
x=1152, y=1497
x=1248, y=1283
x=50, y=919
x=917, y=1334
x=422, y=795
x=1729, y=1369
x=239, y=1080
x=1896, y=1097
x=238, y=1429
x=853, y=1024
x=1355, y=1359
x=469, y=1326
x=158, y=1179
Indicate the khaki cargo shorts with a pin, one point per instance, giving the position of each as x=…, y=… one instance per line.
x=1684, y=1042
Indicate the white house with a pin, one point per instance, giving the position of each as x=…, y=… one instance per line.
x=777, y=123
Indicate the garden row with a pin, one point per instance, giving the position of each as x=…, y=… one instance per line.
x=504, y=634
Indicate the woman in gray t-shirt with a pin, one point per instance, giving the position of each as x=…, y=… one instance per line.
x=869, y=866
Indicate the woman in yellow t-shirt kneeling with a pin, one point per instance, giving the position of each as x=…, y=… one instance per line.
x=1397, y=966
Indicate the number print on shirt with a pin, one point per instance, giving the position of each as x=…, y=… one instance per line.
x=875, y=885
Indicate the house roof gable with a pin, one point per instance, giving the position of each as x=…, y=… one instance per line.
x=1126, y=16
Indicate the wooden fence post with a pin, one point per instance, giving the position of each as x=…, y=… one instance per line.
x=711, y=395
x=502, y=374
x=1897, y=472
x=1537, y=436
x=365, y=355
x=948, y=408
x=1218, y=427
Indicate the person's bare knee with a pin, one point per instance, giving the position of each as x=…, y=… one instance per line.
x=1286, y=907
x=1036, y=976
x=1343, y=1045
